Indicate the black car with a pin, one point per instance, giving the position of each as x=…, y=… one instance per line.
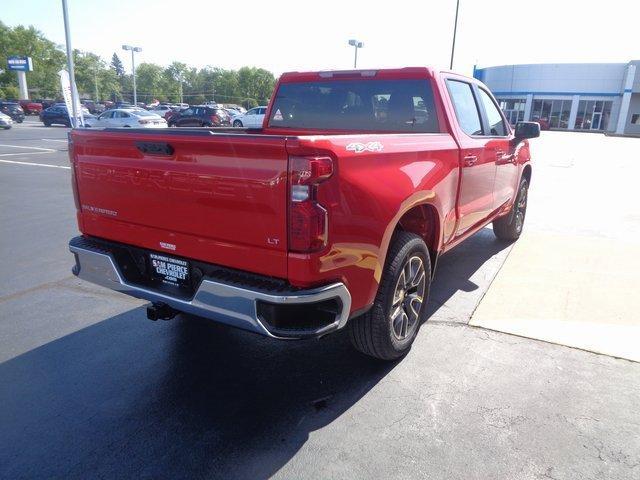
x=13, y=109
x=93, y=107
x=200, y=116
x=58, y=115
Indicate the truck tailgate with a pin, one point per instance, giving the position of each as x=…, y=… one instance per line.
x=218, y=198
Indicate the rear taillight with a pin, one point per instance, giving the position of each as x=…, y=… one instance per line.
x=307, y=218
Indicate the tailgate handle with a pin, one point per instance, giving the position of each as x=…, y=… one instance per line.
x=155, y=148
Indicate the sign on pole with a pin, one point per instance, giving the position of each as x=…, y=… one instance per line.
x=65, y=82
x=19, y=63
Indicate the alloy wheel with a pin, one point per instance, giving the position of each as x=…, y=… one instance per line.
x=521, y=207
x=408, y=297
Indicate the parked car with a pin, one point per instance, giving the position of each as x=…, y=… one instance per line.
x=46, y=102
x=162, y=110
x=233, y=106
x=13, y=109
x=122, y=105
x=130, y=118
x=30, y=107
x=5, y=121
x=94, y=108
x=200, y=116
x=331, y=216
x=58, y=115
x=252, y=119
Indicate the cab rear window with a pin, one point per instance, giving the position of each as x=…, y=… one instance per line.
x=356, y=105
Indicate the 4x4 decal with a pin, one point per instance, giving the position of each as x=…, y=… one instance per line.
x=365, y=147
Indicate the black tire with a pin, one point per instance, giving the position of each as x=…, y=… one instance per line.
x=375, y=333
x=20, y=121
x=237, y=123
x=509, y=227
x=47, y=124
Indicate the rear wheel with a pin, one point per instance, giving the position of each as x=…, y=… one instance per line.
x=510, y=226
x=47, y=124
x=389, y=328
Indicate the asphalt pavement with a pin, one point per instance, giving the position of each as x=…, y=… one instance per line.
x=89, y=388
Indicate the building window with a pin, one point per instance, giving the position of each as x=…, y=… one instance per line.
x=635, y=119
x=551, y=113
x=513, y=109
x=593, y=115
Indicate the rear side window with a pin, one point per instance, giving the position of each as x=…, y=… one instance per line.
x=496, y=124
x=357, y=105
x=465, y=106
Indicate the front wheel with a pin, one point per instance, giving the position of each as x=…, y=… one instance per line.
x=389, y=328
x=237, y=123
x=509, y=227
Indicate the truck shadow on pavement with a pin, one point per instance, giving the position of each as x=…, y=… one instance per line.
x=128, y=398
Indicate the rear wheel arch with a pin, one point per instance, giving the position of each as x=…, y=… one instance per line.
x=423, y=220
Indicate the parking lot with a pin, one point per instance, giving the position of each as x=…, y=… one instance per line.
x=90, y=388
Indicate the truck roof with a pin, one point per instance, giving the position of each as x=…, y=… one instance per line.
x=383, y=73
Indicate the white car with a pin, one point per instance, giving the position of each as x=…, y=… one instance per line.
x=130, y=117
x=252, y=119
x=5, y=121
x=161, y=110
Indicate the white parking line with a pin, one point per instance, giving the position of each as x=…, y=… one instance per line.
x=22, y=153
x=53, y=140
x=29, y=148
x=36, y=164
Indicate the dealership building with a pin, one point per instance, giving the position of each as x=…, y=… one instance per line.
x=602, y=97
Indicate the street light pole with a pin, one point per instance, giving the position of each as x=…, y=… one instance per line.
x=356, y=45
x=455, y=29
x=133, y=69
x=95, y=78
x=72, y=76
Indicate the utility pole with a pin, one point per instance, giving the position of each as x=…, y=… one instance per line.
x=72, y=75
x=455, y=30
x=95, y=77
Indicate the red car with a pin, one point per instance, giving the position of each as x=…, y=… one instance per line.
x=31, y=108
x=333, y=215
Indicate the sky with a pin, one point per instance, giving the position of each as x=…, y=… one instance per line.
x=313, y=35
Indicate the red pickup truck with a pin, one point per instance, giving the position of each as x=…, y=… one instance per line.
x=333, y=214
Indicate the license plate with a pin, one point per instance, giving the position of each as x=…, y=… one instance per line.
x=170, y=271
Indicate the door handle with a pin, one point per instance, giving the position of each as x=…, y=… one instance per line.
x=470, y=160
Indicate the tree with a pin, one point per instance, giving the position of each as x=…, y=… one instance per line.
x=88, y=67
x=116, y=65
x=149, y=82
x=9, y=92
x=47, y=58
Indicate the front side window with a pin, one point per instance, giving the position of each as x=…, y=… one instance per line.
x=363, y=105
x=496, y=124
x=465, y=107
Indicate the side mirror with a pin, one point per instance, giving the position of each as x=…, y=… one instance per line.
x=527, y=130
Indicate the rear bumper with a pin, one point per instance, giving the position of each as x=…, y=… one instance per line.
x=242, y=306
